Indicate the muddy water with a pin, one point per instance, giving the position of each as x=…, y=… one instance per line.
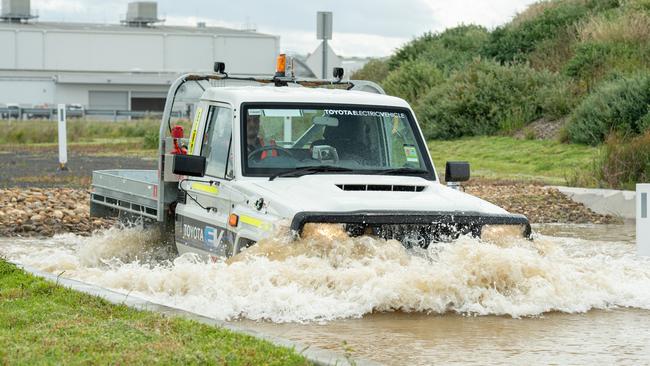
x=575, y=295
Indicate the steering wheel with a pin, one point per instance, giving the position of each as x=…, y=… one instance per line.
x=260, y=150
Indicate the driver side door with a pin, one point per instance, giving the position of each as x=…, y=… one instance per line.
x=204, y=217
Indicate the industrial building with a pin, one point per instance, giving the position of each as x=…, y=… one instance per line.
x=122, y=66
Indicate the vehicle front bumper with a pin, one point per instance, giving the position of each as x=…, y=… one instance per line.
x=457, y=223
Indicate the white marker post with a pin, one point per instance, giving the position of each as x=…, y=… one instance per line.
x=288, y=138
x=63, y=138
x=643, y=219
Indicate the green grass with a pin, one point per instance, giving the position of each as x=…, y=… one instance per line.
x=79, y=130
x=42, y=323
x=509, y=158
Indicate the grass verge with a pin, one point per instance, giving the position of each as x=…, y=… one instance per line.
x=127, y=146
x=508, y=158
x=42, y=323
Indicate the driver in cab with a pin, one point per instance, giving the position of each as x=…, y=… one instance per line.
x=255, y=143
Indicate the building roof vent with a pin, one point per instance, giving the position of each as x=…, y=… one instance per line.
x=16, y=11
x=142, y=14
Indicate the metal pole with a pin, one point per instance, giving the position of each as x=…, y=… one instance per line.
x=63, y=138
x=325, y=49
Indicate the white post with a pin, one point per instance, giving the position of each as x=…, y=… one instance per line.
x=287, y=138
x=63, y=138
x=643, y=219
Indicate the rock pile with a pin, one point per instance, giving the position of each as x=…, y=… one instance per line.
x=45, y=212
x=539, y=203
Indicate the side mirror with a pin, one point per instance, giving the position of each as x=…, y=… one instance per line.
x=457, y=171
x=190, y=165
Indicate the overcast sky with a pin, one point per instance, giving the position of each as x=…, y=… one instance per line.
x=361, y=27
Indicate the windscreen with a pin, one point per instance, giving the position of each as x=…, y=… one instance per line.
x=278, y=139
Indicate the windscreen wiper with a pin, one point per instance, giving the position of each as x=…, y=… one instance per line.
x=310, y=170
x=401, y=171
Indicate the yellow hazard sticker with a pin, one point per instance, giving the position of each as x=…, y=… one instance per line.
x=249, y=220
x=205, y=188
x=195, y=127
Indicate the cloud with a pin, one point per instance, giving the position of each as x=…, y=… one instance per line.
x=303, y=42
x=66, y=6
x=486, y=13
x=344, y=44
x=191, y=21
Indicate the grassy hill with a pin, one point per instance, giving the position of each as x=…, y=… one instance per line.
x=581, y=65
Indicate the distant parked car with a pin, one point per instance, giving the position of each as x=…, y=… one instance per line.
x=11, y=110
x=74, y=110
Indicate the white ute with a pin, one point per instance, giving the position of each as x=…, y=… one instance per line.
x=293, y=152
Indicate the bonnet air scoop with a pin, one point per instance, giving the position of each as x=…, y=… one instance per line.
x=381, y=187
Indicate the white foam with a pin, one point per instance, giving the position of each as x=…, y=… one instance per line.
x=330, y=276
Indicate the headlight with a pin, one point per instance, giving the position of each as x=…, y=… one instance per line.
x=496, y=233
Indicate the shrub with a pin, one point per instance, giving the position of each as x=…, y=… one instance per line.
x=487, y=98
x=588, y=59
x=513, y=42
x=626, y=27
x=375, y=70
x=552, y=54
x=449, y=50
x=624, y=162
x=412, y=80
x=616, y=42
x=617, y=106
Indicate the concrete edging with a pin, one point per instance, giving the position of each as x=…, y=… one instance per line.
x=604, y=201
x=313, y=354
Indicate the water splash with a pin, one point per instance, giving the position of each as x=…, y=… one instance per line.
x=328, y=275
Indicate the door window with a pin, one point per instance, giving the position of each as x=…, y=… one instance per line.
x=216, y=141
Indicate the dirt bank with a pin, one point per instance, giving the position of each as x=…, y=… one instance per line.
x=49, y=211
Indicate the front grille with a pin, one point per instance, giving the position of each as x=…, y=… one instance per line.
x=416, y=235
x=381, y=187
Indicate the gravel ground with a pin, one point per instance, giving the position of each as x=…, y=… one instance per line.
x=46, y=211
x=539, y=203
x=36, y=199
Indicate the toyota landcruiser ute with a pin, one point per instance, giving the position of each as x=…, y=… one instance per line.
x=289, y=152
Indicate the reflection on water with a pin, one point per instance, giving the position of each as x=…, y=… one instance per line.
x=392, y=305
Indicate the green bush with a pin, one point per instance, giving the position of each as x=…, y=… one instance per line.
x=644, y=122
x=623, y=163
x=487, y=98
x=617, y=106
x=588, y=58
x=513, y=42
x=448, y=50
x=413, y=80
x=375, y=70
x=594, y=61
